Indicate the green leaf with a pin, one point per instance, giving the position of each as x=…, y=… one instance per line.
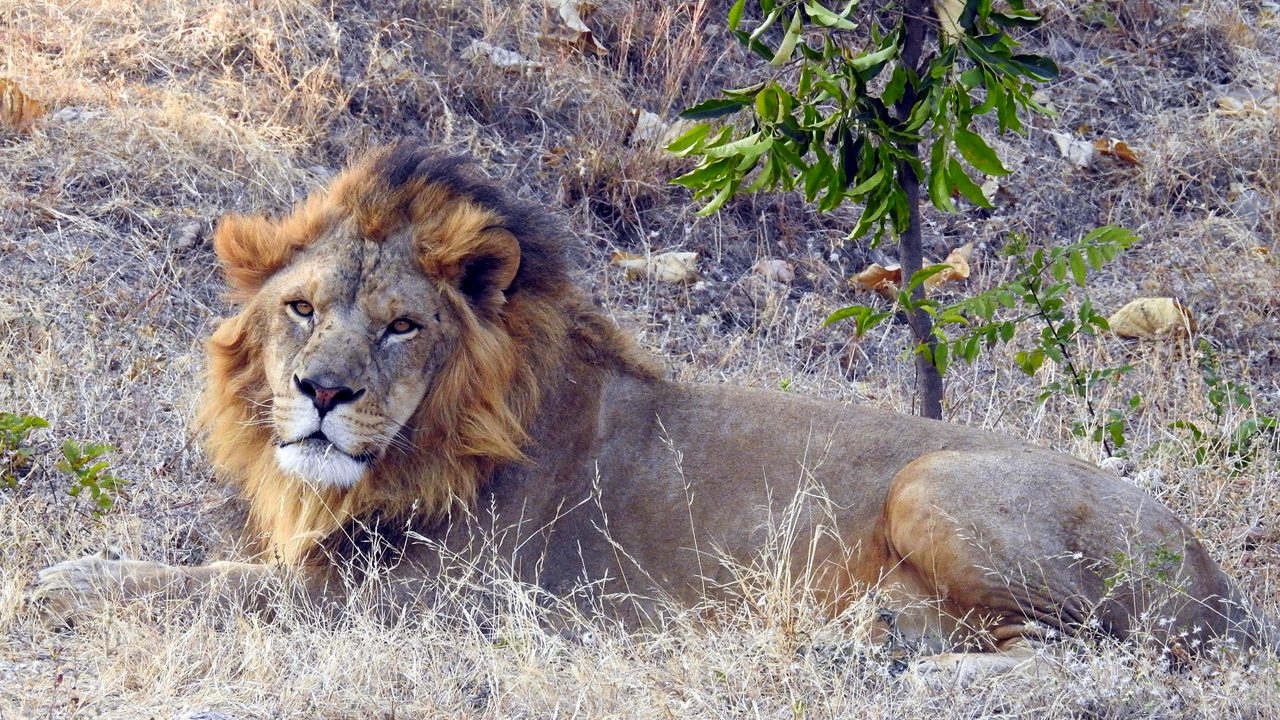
x=1094, y=255
x=876, y=179
x=1015, y=18
x=1076, y=260
x=789, y=40
x=685, y=144
x=896, y=87
x=750, y=146
x=713, y=108
x=1036, y=67
x=825, y=17
x=717, y=201
x=966, y=186
x=919, y=276
x=756, y=46
x=978, y=153
x=939, y=187
x=704, y=175
x=1058, y=268
x=941, y=358
x=1030, y=361
x=735, y=14
x=871, y=60
x=772, y=15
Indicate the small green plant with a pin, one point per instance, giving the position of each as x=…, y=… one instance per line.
x=1238, y=445
x=1038, y=293
x=89, y=472
x=15, y=448
x=1150, y=561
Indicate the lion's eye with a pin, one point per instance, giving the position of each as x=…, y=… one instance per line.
x=302, y=308
x=402, y=326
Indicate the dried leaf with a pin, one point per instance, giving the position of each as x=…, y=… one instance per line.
x=887, y=279
x=575, y=29
x=879, y=278
x=1078, y=152
x=1245, y=101
x=672, y=267
x=499, y=57
x=990, y=188
x=779, y=271
x=652, y=129
x=958, y=261
x=948, y=12
x=1116, y=149
x=17, y=109
x=1152, y=318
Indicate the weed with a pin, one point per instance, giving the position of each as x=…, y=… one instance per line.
x=15, y=452
x=1236, y=442
x=89, y=472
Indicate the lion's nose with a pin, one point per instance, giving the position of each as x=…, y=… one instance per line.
x=323, y=397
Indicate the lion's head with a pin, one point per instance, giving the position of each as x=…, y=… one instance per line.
x=393, y=338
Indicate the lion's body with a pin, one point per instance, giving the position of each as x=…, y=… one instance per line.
x=484, y=405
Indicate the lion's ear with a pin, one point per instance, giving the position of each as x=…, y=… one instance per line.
x=487, y=270
x=250, y=249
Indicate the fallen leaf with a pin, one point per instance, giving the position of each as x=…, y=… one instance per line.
x=958, y=262
x=672, y=267
x=877, y=277
x=1116, y=149
x=1152, y=318
x=779, y=271
x=651, y=129
x=948, y=12
x=575, y=30
x=886, y=279
x=990, y=188
x=1078, y=152
x=1243, y=101
x=17, y=109
x=499, y=57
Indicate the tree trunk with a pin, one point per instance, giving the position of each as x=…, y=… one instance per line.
x=928, y=380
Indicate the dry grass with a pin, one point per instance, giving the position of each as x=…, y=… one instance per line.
x=166, y=114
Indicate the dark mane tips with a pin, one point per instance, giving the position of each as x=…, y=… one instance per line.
x=407, y=166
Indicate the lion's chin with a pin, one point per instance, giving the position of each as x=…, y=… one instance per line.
x=325, y=467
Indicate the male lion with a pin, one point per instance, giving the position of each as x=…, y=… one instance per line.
x=411, y=367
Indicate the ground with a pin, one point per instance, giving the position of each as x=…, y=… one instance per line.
x=163, y=115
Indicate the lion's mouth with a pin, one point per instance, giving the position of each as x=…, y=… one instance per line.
x=318, y=442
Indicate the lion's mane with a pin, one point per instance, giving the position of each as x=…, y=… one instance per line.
x=477, y=413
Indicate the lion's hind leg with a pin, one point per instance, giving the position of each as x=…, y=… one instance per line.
x=1002, y=581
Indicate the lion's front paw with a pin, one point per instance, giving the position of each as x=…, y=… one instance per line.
x=78, y=588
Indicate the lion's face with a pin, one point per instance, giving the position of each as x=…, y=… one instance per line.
x=355, y=334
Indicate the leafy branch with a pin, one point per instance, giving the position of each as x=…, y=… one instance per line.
x=845, y=111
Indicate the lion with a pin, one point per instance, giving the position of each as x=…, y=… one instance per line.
x=411, y=364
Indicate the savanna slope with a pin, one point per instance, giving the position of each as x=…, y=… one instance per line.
x=164, y=115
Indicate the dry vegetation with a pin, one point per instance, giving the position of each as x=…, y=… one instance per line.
x=165, y=114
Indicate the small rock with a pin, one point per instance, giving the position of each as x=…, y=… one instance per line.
x=72, y=114
x=1079, y=152
x=779, y=271
x=1149, y=479
x=1118, y=465
x=185, y=235
x=1248, y=205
